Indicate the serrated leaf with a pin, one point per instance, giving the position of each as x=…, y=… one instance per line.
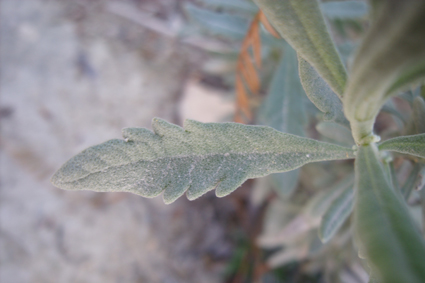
x=390, y=59
x=344, y=9
x=228, y=25
x=336, y=215
x=336, y=132
x=413, y=145
x=283, y=110
x=386, y=235
x=302, y=25
x=319, y=92
x=195, y=159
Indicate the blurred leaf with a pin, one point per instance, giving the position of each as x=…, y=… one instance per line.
x=390, y=108
x=413, y=145
x=233, y=5
x=422, y=93
x=321, y=202
x=422, y=195
x=419, y=114
x=386, y=235
x=390, y=59
x=302, y=25
x=411, y=181
x=319, y=92
x=336, y=132
x=344, y=9
x=228, y=25
x=283, y=110
x=336, y=215
x=409, y=96
x=199, y=158
x=420, y=182
x=287, y=255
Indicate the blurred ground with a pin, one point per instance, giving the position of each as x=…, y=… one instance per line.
x=73, y=74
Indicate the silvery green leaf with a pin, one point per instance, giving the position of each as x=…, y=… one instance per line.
x=344, y=9
x=319, y=92
x=302, y=25
x=234, y=5
x=283, y=107
x=390, y=59
x=419, y=114
x=413, y=145
x=283, y=110
x=411, y=181
x=336, y=215
x=196, y=159
x=228, y=25
x=336, y=132
x=387, y=237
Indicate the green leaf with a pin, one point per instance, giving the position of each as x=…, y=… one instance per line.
x=336, y=215
x=195, y=159
x=336, y=132
x=344, y=9
x=319, y=92
x=390, y=59
x=386, y=235
x=413, y=145
x=302, y=25
x=283, y=110
x=228, y=25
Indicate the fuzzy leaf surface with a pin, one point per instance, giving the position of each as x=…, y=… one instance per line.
x=387, y=237
x=196, y=159
x=413, y=145
x=301, y=24
x=336, y=214
x=319, y=92
x=390, y=59
x=283, y=110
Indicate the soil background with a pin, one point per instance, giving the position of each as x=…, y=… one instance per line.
x=73, y=74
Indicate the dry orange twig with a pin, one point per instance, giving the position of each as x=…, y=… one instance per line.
x=247, y=80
